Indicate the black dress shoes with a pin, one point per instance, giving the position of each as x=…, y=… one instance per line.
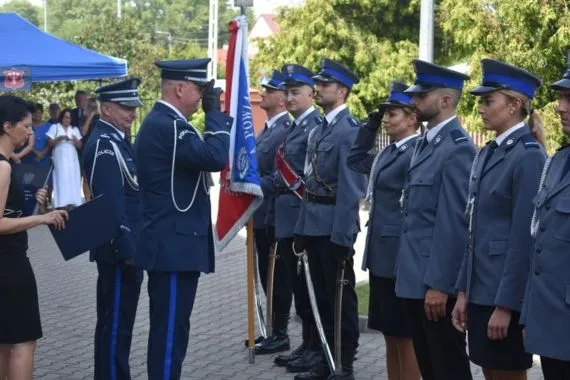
x=319, y=372
x=283, y=360
x=309, y=360
x=345, y=374
x=273, y=344
x=258, y=340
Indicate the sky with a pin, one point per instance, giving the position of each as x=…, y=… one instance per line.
x=259, y=6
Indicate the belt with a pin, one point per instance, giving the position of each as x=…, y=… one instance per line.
x=322, y=199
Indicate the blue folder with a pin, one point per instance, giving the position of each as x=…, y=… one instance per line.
x=89, y=226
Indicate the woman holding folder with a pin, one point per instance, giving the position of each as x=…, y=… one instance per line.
x=20, y=325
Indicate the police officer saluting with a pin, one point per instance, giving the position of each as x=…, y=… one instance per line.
x=387, y=313
x=290, y=163
x=176, y=241
x=267, y=142
x=328, y=218
x=503, y=183
x=546, y=308
x=434, y=228
x=111, y=170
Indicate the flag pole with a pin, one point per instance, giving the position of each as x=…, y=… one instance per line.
x=250, y=295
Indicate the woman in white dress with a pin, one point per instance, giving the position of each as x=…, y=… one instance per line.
x=65, y=140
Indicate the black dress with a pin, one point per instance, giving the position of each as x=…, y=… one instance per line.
x=19, y=310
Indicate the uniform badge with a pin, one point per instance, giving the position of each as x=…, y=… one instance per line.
x=438, y=139
x=510, y=141
x=183, y=133
x=290, y=70
x=403, y=148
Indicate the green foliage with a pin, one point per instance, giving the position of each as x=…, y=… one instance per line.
x=25, y=9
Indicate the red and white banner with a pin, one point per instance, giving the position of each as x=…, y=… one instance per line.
x=240, y=192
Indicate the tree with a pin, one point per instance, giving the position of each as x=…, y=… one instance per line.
x=320, y=29
x=25, y=9
x=531, y=34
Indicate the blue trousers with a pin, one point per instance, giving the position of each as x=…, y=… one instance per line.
x=171, y=297
x=118, y=289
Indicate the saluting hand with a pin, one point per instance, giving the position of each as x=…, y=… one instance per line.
x=56, y=218
x=374, y=120
x=459, y=313
x=434, y=305
x=498, y=326
x=211, y=97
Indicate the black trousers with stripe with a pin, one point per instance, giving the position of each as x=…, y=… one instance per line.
x=118, y=289
x=171, y=296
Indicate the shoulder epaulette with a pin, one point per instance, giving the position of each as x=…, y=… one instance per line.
x=287, y=123
x=104, y=136
x=353, y=122
x=529, y=141
x=458, y=136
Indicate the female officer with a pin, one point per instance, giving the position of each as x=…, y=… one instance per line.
x=546, y=310
x=19, y=312
x=387, y=174
x=503, y=182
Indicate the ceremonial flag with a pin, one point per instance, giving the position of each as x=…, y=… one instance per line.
x=240, y=191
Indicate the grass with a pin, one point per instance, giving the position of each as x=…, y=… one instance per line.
x=363, y=293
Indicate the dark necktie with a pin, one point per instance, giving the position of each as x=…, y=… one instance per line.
x=325, y=123
x=423, y=144
x=492, y=147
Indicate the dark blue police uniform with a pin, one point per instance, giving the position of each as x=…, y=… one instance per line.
x=387, y=173
x=267, y=142
x=176, y=241
x=504, y=179
x=434, y=231
x=546, y=308
x=110, y=167
x=328, y=217
x=285, y=212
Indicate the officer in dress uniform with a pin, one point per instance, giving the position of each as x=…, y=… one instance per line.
x=176, y=242
x=434, y=228
x=267, y=142
x=387, y=173
x=328, y=217
x=503, y=182
x=546, y=308
x=289, y=189
x=110, y=167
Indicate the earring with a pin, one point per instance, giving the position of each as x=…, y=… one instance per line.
x=511, y=112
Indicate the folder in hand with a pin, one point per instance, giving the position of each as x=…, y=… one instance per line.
x=89, y=225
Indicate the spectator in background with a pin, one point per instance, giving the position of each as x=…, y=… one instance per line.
x=65, y=140
x=54, y=110
x=78, y=113
x=40, y=152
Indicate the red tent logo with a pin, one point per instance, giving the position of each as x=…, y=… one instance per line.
x=14, y=79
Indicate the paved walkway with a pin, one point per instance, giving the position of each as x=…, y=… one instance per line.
x=219, y=323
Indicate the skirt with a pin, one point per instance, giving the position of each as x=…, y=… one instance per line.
x=386, y=312
x=503, y=355
x=19, y=310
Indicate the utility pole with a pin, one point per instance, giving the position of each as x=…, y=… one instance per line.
x=213, y=39
x=426, y=30
x=119, y=9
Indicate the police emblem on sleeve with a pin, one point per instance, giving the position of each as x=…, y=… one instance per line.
x=242, y=162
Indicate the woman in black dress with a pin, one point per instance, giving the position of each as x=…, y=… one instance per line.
x=19, y=313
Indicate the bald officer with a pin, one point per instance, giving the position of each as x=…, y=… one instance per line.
x=176, y=243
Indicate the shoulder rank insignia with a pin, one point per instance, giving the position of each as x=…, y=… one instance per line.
x=116, y=137
x=287, y=124
x=353, y=122
x=404, y=147
x=458, y=136
x=437, y=140
x=529, y=141
x=104, y=136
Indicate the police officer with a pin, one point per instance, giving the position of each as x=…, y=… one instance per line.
x=434, y=229
x=267, y=142
x=546, y=308
x=110, y=167
x=504, y=179
x=290, y=164
x=328, y=217
x=176, y=242
x=387, y=170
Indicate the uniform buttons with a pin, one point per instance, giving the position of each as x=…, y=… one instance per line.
x=195, y=233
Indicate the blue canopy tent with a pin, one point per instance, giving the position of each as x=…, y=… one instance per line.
x=50, y=58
